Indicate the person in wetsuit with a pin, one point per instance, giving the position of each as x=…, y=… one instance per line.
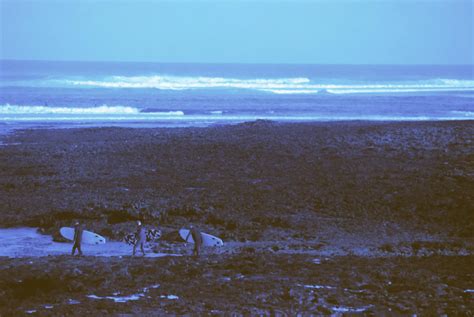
x=140, y=237
x=77, y=238
x=193, y=232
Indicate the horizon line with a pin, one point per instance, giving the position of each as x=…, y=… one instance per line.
x=227, y=63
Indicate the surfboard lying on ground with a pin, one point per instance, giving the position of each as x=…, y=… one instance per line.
x=207, y=239
x=87, y=236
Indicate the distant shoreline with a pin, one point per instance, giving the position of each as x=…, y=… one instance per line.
x=8, y=128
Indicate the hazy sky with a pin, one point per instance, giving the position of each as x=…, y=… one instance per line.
x=347, y=32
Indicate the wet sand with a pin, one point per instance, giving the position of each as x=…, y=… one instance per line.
x=29, y=243
x=372, y=203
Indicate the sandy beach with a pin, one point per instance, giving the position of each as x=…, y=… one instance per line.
x=321, y=218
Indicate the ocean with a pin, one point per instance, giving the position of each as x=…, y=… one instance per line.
x=79, y=94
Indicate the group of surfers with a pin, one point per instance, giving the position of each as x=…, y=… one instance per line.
x=140, y=239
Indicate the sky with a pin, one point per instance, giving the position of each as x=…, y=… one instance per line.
x=233, y=31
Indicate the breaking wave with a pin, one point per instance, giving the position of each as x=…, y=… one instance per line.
x=123, y=114
x=45, y=114
x=99, y=110
x=104, y=109
x=183, y=83
x=298, y=85
x=467, y=114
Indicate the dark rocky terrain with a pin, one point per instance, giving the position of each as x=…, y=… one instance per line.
x=376, y=202
x=246, y=283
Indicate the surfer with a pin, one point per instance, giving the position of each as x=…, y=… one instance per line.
x=140, y=238
x=77, y=238
x=193, y=232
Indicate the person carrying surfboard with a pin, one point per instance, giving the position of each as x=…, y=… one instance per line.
x=140, y=237
x=77, y=238
x=193, y=232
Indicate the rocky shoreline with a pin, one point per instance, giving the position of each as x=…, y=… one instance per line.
x=243, y=284
x=376, y=200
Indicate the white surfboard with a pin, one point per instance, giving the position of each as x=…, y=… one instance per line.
x=207, y=239
x=87, y=236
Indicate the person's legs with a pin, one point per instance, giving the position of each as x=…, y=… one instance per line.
x=77, y=247
x=134, y=248
x=196, y=249
x=141, y=247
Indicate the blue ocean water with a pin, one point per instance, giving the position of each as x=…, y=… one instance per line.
x=66, y=94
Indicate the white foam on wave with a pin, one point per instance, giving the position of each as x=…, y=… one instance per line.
x=8, y=109
x=401, y=89
x=468, y=114
x=18, y=114
x=182, y=83
x=45, y=113
x=296, y=85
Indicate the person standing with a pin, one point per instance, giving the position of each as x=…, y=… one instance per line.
x=140, y=237
x=77, y=238
x=196, y=235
